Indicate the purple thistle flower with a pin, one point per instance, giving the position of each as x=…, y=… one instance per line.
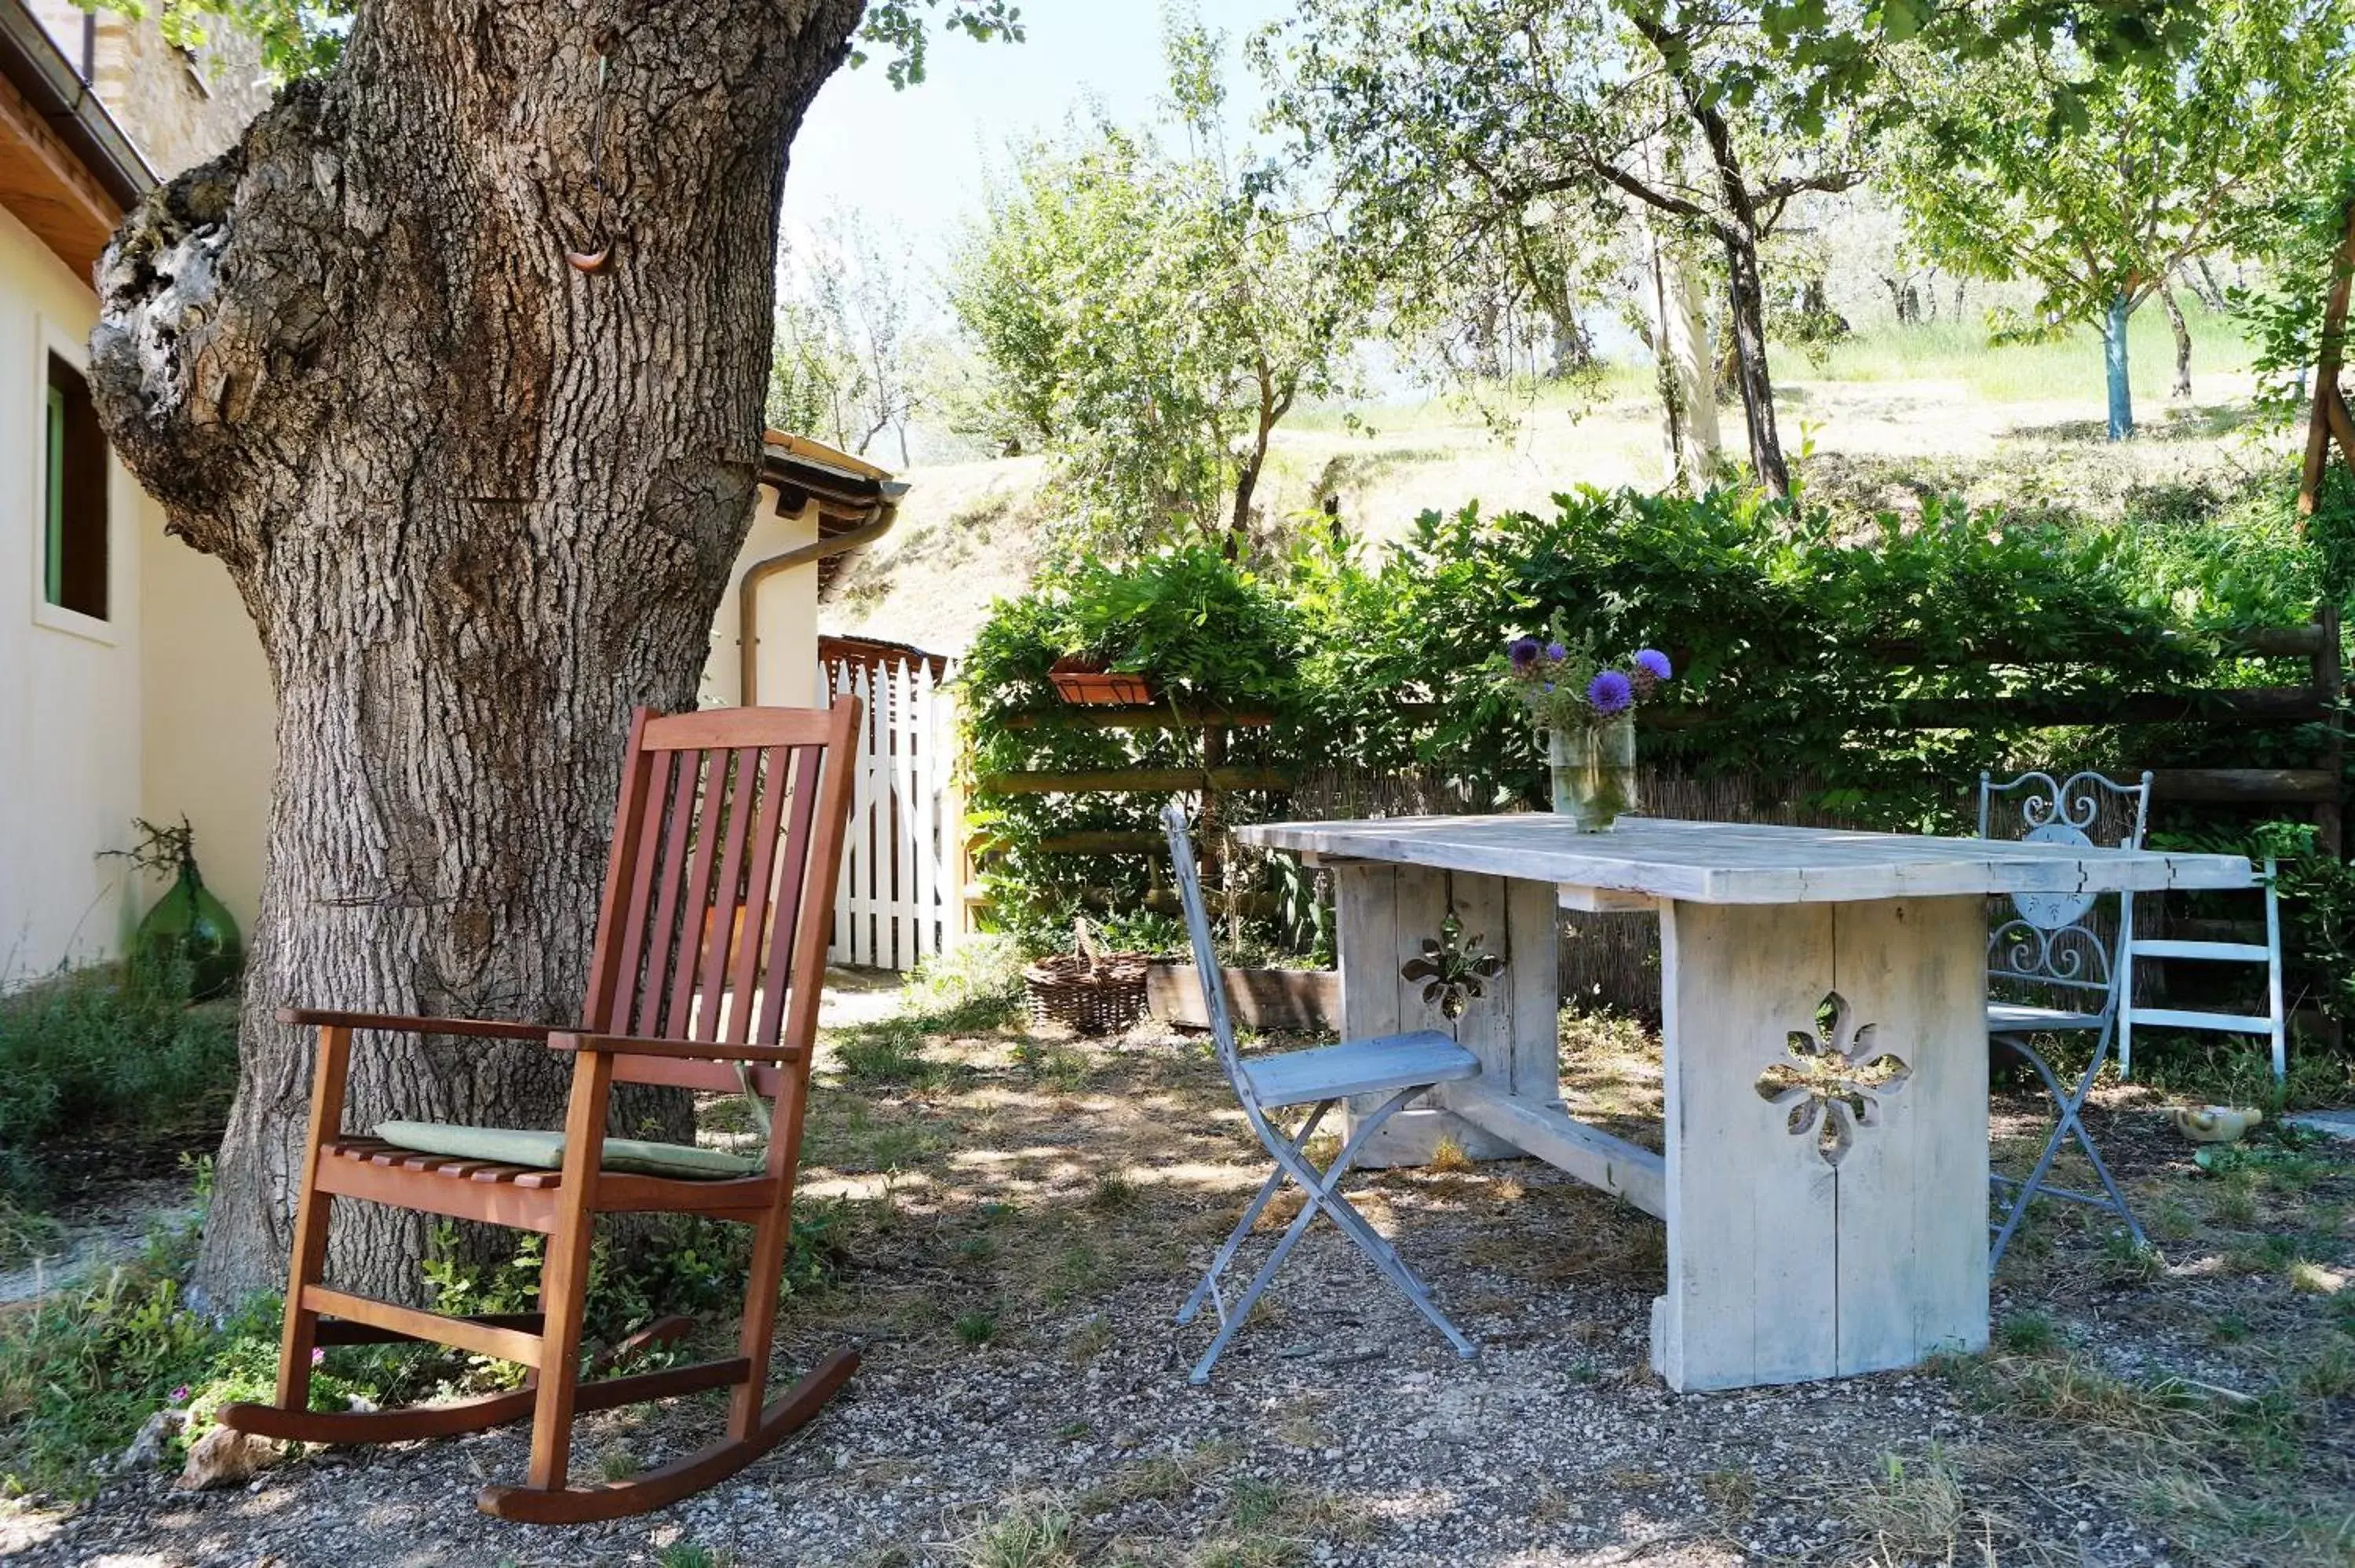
x=1523, y=651
x=1557, y=652
x=1653, y=662
x=1611, y=694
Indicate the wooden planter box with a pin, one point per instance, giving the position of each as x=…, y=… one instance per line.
x=1101, y=688
x=1259, y=999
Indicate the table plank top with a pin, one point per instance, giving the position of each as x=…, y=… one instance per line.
x=1746, y=862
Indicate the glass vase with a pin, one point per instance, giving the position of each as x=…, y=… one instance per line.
x=189, y=924
x=1593, y=771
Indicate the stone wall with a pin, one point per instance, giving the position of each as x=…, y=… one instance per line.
x=179, y=110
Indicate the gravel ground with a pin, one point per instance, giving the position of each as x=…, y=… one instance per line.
x=1053, y=1201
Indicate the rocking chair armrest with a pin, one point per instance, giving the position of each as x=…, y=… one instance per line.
x=402, y=1023
x=689, y=1050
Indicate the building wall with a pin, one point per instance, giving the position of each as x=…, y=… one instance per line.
x=179, y=111
x=70, y=687
x=210, y=736
x=785, y=675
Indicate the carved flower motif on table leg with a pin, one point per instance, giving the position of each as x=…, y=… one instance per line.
x=1454, y=969
x=1834, y=1080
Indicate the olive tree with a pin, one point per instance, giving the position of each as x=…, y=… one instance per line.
x=1153, y=312
x=1453, y=131
x=2097, y=172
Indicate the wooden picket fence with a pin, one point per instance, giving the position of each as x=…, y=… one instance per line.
x=900, y=899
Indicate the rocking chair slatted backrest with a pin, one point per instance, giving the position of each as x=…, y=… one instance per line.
x=702, y=908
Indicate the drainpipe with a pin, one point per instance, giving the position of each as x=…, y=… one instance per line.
x=748, y=592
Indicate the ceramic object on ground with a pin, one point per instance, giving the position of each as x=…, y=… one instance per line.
x=2215, y=1124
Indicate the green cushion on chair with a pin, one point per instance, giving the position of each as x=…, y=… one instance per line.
x=545, y=1150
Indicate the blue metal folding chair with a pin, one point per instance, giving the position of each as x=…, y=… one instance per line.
x=1397, y=1067
x=2046, y=954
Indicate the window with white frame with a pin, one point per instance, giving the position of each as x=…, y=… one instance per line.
x=73, y=497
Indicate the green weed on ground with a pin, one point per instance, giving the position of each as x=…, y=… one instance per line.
x=107, y=1047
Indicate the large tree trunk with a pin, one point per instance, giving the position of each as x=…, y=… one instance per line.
x=1746, y=311
x=479, y=503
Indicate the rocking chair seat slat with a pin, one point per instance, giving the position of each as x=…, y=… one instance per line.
x=1359, y=1066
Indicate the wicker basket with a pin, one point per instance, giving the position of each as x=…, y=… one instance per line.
x=1093, y=992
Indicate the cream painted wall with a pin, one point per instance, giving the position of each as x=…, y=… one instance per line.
x=209, y=743
x=69, y=696
x=787, y=670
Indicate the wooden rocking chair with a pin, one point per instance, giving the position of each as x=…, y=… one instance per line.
x=700, y=907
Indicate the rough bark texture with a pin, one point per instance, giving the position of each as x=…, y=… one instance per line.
x=1746, y=312
x=2182, y=331
x=479, y=503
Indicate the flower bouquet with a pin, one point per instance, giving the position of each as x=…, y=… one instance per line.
x=1587, y=712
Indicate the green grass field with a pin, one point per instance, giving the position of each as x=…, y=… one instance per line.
x=2067, y=367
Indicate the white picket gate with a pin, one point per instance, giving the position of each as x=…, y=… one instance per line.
x=900, y=897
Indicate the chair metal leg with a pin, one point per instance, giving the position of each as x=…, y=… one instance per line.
x=1226, y=1255
x=2067, y=1125
x=1321, y=1192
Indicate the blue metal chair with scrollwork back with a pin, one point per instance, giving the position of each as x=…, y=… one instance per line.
x=2049, y=972
x=1397, y=1067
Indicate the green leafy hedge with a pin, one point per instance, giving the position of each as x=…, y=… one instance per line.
x=1791, y=625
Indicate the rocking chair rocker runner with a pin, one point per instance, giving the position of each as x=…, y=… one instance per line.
x=720, y=889
x=1397, y=1067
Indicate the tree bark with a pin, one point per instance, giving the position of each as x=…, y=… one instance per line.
x=1688, y=391
x=480, y=502
x=2116, y=373
x=1273, y=405
x=2182, y=331
x=1747, y=310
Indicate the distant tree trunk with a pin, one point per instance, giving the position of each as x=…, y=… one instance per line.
x=2114, y=368
x=1273, y=405
x=1573, y=348
x=2213, y=295
x=1747, y=310
x=479, y=502
x=2175, y=323
x=1679, y=344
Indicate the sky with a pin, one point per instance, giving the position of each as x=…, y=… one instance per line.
x=911, y=162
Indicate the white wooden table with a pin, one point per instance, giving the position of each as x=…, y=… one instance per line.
x=1788, y=1258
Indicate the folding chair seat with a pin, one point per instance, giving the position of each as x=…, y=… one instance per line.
x=1360, y=1067
x=2062, y=973
x=1397, y=1067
